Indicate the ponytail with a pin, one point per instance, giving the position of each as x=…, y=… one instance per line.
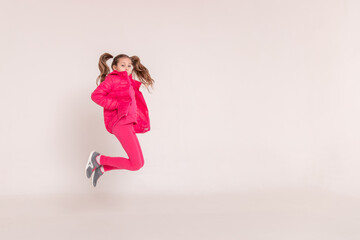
x=142, y=72
x=103, y=67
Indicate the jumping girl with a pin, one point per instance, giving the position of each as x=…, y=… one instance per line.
x=125, y=112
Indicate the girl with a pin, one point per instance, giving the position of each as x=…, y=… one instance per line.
x=125, y=112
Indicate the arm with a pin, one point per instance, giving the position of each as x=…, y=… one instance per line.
x=99, y=95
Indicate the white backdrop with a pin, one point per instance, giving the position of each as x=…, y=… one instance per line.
x=249, y=95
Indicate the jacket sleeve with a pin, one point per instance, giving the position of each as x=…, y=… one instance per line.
x=99, y=95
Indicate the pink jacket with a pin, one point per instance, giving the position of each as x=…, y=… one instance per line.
x=114, y=96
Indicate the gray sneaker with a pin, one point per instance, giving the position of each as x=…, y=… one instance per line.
x=91, y=164
x=97, y=174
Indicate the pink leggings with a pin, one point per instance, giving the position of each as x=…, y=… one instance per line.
x=128, y=139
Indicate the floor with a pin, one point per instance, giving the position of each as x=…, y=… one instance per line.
x=280, y=214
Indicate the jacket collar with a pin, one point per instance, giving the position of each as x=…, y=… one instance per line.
x=115, y=72
x=135, y=83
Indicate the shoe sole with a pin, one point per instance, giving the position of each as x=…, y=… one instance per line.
x=92, y=179
x=88, y=163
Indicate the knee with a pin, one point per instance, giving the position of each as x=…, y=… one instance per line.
x=137, y=162
x=137, y=166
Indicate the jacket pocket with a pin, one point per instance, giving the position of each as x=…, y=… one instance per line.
x=123, y=110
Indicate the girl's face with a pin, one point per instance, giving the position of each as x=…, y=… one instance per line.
x=124, y=64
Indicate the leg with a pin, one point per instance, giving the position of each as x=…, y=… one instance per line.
x=128, y=139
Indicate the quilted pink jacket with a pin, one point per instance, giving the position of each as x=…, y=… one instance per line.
x=114, y=96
